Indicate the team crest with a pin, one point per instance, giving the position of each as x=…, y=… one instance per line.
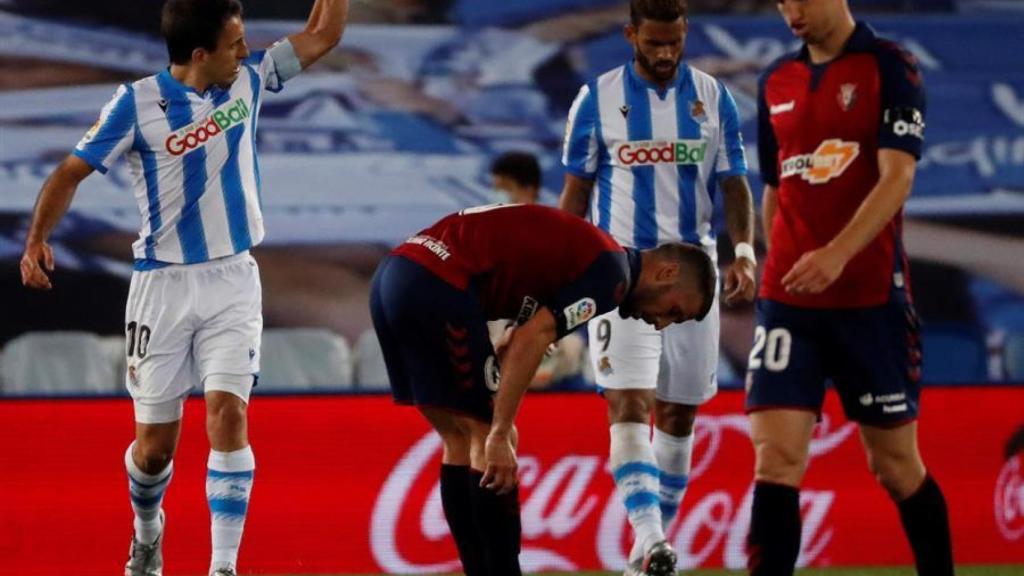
x=847, y=96
x=604, y=366
x=133, y=376
x=697, y=111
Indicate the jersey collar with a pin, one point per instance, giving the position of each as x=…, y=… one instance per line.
x=682, y=77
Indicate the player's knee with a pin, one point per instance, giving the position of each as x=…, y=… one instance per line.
x=779, y=464
x=152, y=458
x=676, y=419
x=898, y=474
x=629, y=405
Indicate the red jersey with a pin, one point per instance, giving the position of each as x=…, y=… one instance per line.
x=516, y=257
x=820, y=127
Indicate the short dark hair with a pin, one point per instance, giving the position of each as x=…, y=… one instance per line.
x=519, y=166
x=696, y=268
x=190, y=24
x=660, y=10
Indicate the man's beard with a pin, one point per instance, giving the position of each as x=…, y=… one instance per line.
x=651, y=70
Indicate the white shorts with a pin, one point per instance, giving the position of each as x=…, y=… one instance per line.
x=679, y=361
x=186, y=322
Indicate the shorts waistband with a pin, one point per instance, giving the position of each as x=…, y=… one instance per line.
x=152, y=266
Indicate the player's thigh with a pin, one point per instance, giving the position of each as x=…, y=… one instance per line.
x=229, y=323
x=387, y=334
x=877, y=363
x=158, y=338
x=786, y=364
x=440, y=341
x=689, y=361
x=625, y=352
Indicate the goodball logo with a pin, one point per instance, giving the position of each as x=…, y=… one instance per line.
x=196, y=134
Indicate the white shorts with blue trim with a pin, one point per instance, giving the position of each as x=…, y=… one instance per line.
x=186, y=322
x=680, y=362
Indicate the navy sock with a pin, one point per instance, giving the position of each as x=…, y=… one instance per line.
x=458, y=509
x=774, y=540
x=497, y=521
x=926, y=523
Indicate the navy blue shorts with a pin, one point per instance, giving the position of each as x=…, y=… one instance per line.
x=871, y=355
x=435, y=340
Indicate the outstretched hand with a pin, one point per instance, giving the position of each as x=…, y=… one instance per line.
x=35, y=263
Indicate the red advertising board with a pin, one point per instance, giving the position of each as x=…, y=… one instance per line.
x=349, y=484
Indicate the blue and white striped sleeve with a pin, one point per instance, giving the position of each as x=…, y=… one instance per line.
x=579, y=151
x=731, y=160
x=111, y=135
x=276, y=65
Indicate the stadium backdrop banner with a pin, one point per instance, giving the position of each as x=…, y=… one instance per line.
x=349, y=484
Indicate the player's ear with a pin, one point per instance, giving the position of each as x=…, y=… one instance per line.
x=630, y=33
x=666, y=272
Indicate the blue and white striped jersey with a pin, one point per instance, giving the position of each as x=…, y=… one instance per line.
x=656, y=155
x=193, y=160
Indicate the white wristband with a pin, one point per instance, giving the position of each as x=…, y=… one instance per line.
x=744, y=250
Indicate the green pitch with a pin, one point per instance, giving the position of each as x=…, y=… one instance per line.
x=961, y=571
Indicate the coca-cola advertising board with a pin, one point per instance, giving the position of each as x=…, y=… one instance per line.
x=350, y=484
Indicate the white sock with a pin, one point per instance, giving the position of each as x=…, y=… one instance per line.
x=228, y=486
x=673, y=454
x=147, y=493
x=636, y=480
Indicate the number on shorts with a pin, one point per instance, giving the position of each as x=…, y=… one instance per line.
x=138, y=339
x=776, y=346
x=604, y=333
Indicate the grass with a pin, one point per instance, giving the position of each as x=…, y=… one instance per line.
x=902, y=571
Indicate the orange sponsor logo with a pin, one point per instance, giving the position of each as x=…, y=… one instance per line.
x=828, y=161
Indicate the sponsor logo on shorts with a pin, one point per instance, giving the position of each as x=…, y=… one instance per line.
x=436, y=247
x=579, y=312
x=197, y=134
x=886, y=399
x=828, y=161
x=649, y=153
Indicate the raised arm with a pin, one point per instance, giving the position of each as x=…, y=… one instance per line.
x=322, y=32
x=51, y=205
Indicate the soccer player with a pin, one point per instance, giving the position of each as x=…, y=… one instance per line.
x=552, y=272
x=658, y=137
x=194, y=314
x=517, y=176
x=840, y=130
